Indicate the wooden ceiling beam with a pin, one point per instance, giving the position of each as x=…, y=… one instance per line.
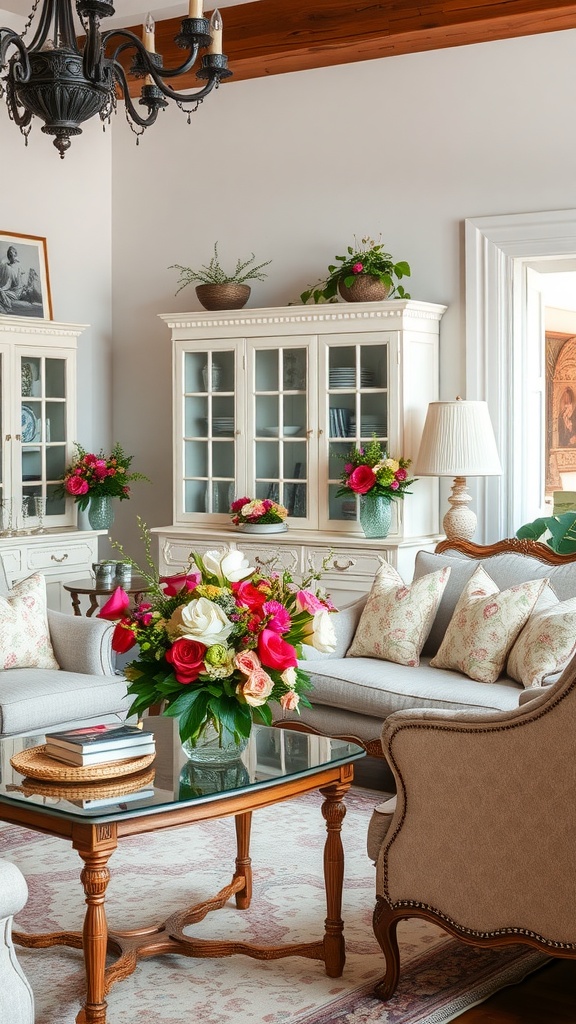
x=274, y=37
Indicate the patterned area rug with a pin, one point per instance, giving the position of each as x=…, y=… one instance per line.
x=155, y=875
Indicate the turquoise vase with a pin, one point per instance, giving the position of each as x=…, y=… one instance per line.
x=375, y=515
x=100, y=512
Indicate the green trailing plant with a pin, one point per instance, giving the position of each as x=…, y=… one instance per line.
x=561, y=529
x=213, y=273
x=366, y=258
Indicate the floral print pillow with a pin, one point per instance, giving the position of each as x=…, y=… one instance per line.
x=547, y=642
x=398, y=617
x=24, y=634
x=485, y=625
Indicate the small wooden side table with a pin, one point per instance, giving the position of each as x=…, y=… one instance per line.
x=93, y=591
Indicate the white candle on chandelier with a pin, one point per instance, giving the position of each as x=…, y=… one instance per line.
x=148, y=34
x=195, y=9
x=216, y=33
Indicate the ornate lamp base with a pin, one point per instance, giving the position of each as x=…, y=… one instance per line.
x=460, y=521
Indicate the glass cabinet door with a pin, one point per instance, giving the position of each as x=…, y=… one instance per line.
x=281, y=463
x=355, y=373
x=207, y=426
x=45, y=440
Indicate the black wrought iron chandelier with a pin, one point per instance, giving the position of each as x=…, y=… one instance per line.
x=64, y=85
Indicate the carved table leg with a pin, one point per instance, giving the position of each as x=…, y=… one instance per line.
x=93, y=605
x=333, y=810
x=243, y=862
x=95, y=877
x=76, y=603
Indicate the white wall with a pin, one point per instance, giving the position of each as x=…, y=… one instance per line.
x=68, y=202
x=291, y=167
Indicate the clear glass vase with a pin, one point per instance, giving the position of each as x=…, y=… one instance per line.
x=375, y=515
x=100, y=512
x=214, y=746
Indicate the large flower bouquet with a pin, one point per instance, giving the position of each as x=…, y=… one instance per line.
x=219, y=643
x=368, y=470
x=256, y=510
x=92, y=475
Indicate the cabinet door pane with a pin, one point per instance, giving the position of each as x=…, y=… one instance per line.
x=44, y=435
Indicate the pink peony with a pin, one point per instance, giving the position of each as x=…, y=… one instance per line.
x=394, y=485
x=357, y=268
x=362, y=479
x=76, y=485
x=275, y=652
x=115, y=606
x=100, y=469
x=401, y=474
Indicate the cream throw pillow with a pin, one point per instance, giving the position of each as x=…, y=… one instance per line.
x=547, y=642
x=24, y=634
x=484, y=626
x=398, y=617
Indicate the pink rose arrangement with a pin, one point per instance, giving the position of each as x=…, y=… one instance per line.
x=369, y=470
x=257, y=510
x=92, y=475
x=220, y=642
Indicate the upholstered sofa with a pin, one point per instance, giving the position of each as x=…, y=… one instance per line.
x=83, y=687
x=353, y=696
x=16, y=999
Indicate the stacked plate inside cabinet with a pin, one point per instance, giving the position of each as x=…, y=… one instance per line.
x=369, y=425
x=345, y=377
x=223, y=424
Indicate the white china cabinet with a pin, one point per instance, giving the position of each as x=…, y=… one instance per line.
x=267, y=402
x=38, y=427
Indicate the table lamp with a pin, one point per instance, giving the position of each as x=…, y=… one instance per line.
x=458, y=441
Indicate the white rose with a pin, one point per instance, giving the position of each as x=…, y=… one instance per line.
x=204, y=621
x=322, y=634
x=227, y=564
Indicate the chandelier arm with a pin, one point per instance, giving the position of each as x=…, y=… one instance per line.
x=64, y=25
x=187, y=97
x=43, y=27
x=92, y=56
x=22, y=67
x=143, y=122
x=133, y=40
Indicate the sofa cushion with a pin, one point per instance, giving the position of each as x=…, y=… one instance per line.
x=506, y=570
x=547, y=642
x=24, y=634
x=484, y=626
x=377, y=688
x=40, y=699
x=398, y=616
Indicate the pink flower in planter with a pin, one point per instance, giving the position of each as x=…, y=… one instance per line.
x=357, y=268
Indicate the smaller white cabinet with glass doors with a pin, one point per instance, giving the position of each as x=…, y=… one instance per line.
x=268, y=402
x=38, y=426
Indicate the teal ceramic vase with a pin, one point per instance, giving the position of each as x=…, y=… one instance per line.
x=375, y=515
x=101, y=512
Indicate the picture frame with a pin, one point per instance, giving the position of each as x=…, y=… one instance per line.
x=560, y=450
x=24, y=276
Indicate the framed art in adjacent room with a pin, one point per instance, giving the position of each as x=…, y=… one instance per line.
x=560, y=412
x=24, y=277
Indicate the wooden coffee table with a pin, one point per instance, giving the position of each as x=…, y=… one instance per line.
x=88, y=587
x=278, y=764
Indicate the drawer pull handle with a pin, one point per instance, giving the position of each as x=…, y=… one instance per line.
x=341, y=567
x=53, y=558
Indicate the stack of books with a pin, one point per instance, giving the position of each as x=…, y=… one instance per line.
x=101, y=744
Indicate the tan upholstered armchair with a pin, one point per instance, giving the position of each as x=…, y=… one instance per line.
x=481, y=837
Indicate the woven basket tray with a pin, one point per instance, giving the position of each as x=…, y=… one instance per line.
x=36, y=764
x=94, y=791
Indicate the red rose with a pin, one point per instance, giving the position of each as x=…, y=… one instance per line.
x=187, y=659
x=248, y=595
x=76, y=485
x=274, y=652
x=362, y=479
x=123, y=637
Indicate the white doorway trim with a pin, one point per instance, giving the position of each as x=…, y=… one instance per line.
x=499, y=363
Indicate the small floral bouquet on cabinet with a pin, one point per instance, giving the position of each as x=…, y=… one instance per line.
x=96, y=476
x=220, y=642
x=257, y=511
x=369, y=470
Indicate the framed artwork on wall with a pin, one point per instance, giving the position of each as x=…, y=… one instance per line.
x=560, y=412
x=24, y=277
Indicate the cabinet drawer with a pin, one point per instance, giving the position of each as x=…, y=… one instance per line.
x=12, y=560
x=58, y=556
x=270, y=557
x=347, y=562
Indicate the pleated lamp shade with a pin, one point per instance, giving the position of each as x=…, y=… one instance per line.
x=458, y=441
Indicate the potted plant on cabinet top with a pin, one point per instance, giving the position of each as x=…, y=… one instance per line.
x=365, y=274
x=217, y=289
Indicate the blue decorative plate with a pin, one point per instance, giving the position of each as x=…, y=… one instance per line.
x=29, y=424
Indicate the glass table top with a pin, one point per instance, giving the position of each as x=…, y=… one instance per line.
x=272, y=755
